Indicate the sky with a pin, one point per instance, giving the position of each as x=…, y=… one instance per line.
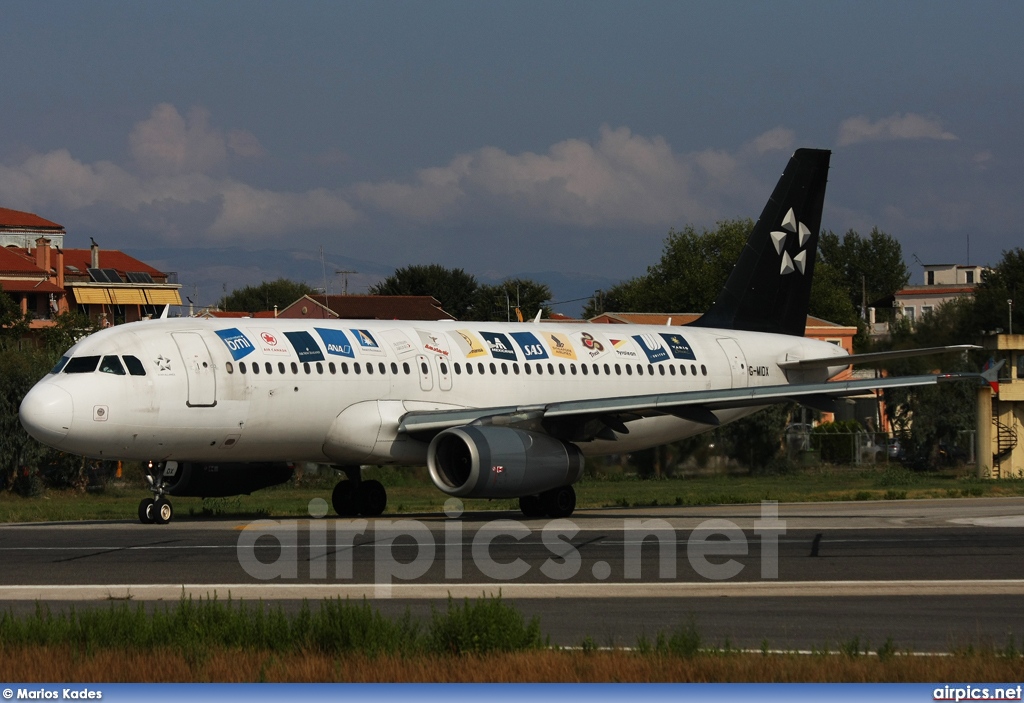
x=233, y=142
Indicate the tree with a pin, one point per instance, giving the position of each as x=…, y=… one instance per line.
x=693, y=268
x=453, y=288
x=499, y=302
x=870, y=267
x=1003, y=283
x=68, y=328
x=267, y=295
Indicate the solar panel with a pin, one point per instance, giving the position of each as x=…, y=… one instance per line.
x=98, y=275
x=112, y=275
x=139, y=277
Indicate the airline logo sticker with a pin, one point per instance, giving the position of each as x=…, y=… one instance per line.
x=236, y=342
x=399, y=342
x=790, y=225
x=305, y=346
x=499, y=345
x=591, y=346
x=336, y=342
x=367, y=344
x=560, y=346
x=469, y=344
x=269, y=342
x=433, y=343
x=623, y=348
x=651, y=347
x=531, y=346
x=679, y=347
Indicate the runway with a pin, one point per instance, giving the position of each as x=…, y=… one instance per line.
x=933, y=575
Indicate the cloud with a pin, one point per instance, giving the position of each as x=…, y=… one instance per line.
x=176, y=186
x=895, y=127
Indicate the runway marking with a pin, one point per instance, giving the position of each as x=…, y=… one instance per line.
x=297, y=591
x=993, y=521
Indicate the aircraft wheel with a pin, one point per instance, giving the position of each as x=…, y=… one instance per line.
x=343, y=498
x=372, y=498
x=531, y=506
x=146, y=514
x=163, y=511
x=559, y=502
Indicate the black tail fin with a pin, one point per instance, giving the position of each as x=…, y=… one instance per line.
x=769, y=289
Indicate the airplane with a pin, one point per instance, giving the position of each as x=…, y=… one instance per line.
x=494, y=410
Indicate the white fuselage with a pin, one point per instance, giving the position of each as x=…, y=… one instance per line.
x=245, y=390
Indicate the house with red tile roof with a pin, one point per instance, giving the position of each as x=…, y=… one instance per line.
x=366, y=307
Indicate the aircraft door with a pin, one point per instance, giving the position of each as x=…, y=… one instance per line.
x=423, y=369
x=737, y=361
x=444, y=372
x=202, y=382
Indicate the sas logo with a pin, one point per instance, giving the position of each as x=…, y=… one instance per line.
x=236, y=342
x=531, y=346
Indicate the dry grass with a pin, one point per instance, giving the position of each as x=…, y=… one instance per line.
x=46, y=664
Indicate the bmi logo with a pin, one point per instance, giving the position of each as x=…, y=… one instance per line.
x=791, y=226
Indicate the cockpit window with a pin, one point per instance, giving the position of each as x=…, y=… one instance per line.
x=135, y=367
x=65, y=359
x=82, y=364
x=112, y=364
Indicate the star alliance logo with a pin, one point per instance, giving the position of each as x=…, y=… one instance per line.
x=163, y=363
x=790, y=224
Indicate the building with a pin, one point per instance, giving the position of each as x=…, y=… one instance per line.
x=1001, y=411
x=46, y=279
x=366, y=307
x=942, y=283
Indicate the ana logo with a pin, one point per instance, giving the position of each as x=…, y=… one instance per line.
x=779, y=238
x=269, y=339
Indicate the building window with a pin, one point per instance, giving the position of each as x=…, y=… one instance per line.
x=930, y=278
x=909, y=313
x=970, y=276
x=925, y=309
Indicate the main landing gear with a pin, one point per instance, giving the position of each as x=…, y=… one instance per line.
x=358, y=497
x=157, y=509
x=558, y=502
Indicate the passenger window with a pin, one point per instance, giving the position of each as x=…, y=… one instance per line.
x=357, y=368
x=320, y=368
x=241, y=366
x=255, y=367
x=583, y=368
x=82, y=364
x=618, y=370
x=693, y=369
x=295, y=367
x=527, y=367
x=629, y=370
x=703, y=370
x=682, y=369
x=394, y=368
x=332, y=368
x=515, y=368
x=494, y=371
x=424, y=369
x=444, y=369
x=369, y=367
x=269, y=367
x=551, y=369
x=458, y=369
x=405, y=368
x=469, y=369
x=305, y=367
x=230, y=367
x=650, y=369
x=597, y=370
x=344, y=368
x=111, y=364
x=135, y=367
x=480, y=367
x=540, y=369
x=672, y=370
x=661, y=369
x=504, y=368
x=561, y=369
x=607, y=371
x=382, y=368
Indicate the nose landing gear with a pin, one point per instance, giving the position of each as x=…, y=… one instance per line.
x=358, y=497
x=156, y=510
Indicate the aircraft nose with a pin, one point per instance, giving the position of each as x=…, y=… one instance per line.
x=46, y=413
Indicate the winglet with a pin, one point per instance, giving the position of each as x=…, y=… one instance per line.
x=991, y=375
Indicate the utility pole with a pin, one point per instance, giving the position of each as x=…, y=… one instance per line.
x=1009, y=303
x=345, y=273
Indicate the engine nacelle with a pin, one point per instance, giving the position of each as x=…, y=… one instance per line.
x=500, y=462
x=219, y=480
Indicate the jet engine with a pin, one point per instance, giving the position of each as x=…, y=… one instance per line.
x=500, y=462
x=219, y=480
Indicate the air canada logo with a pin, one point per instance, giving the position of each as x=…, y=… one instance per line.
x=791, y=226
x=270, y=339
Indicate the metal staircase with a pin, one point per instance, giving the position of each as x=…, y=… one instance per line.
x=1006, y=442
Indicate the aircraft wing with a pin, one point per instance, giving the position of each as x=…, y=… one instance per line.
x=872, y=357
x=579, y=420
